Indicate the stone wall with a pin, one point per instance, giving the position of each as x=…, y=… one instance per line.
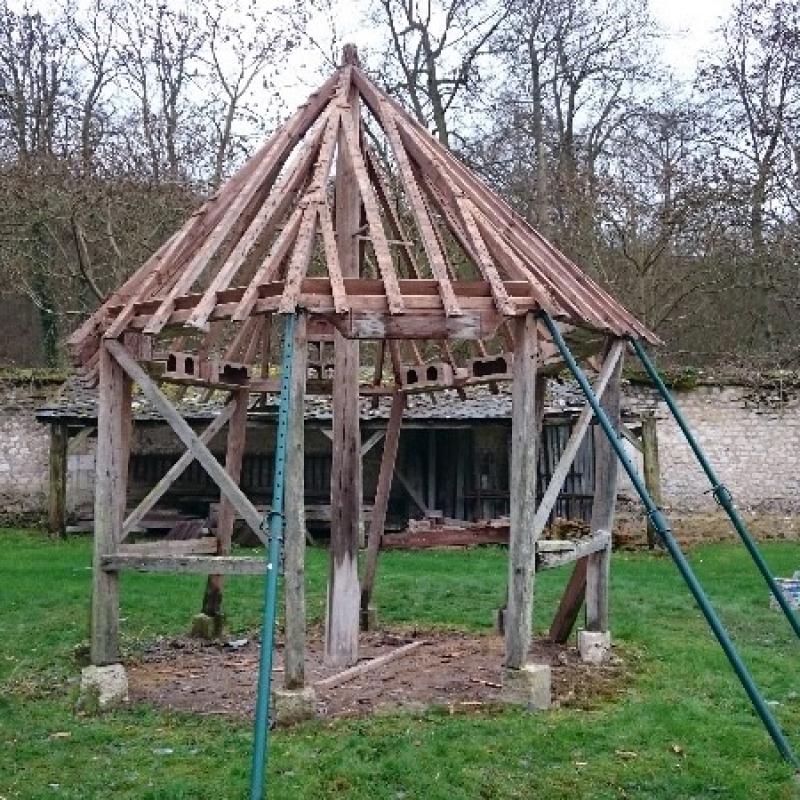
x=750, y=436
x=24, y=453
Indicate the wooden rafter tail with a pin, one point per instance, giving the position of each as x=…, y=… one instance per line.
x=287, y=137
x=304, y=246
x=340, y=303
x=301, y=257
x=420, y=210
x=269, y=268
x=263, y=224
x=485, y=262
x=377, y=234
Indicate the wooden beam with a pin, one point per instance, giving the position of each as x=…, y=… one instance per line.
x=575, y=441
x=570, y=604
x=524, y=452
x=341, y=625
x=205, y=545
x=237, y=435
x=174, y=472
x=57, y=486
x=190, y=439
x=374, y=663
x=197, y=564
x=603, y=507
x=381, y=505
x=371, y=442
x=113, y=443
x=294, y=517
x=412, y=492
x=553, y=553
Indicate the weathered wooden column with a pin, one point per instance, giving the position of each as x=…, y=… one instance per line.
x=603, y=507
x=651, y=469
x=521, y=552
x=237, y=437
x=57, y=489
x=113, y=447
x=341, y=631
x=295, y=517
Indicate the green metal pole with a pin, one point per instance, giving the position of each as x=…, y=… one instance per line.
x=662, y=527
x=720, y=491
x=275, y=517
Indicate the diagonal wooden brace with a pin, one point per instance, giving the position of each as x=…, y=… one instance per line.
x=174, y=472
x=192, y=441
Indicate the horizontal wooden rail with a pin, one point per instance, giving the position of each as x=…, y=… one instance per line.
x=200, y=565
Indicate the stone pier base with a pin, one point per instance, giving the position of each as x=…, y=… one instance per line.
x=102, y=688
x=594, y=646
x=529, y=686
x=294, y=705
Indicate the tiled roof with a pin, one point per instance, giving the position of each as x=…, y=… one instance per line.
x=76, y=401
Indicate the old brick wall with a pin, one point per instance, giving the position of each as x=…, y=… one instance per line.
x=751, y=437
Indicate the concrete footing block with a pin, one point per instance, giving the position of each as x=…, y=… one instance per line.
x=291, y=706
x=103, y=687
x=369, y=618
x=207, y=627
x=594, y=646
x=530, y=686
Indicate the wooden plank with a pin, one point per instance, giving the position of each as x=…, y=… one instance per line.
x=174, y=472
x=237, y=435
x=294, y=516
x=341, y=623
x=570, y=604
x=372, y=441
x=522, y=543
x=380, y=325
x=417, y=202
x=113, y=442
x=195, y=564
x=484, y=260
x=269, y=269
x=205, y=545
x=301, y=258
x=369, y=666
x=603, y=506
x=57, y=484
x=601, y=541
x=340, y=303
x=381, y=504
x=575, y=441
x=190, y=439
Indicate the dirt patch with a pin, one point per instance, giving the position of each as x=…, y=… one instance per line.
x=459, y=670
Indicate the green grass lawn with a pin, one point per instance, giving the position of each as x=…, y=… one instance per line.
x=683, y=713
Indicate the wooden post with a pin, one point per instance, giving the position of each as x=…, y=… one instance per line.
x=652, y=469
x=295, y=518
x=522, y=545
x=57, y=492
x=113, y=446
x=341, y=630
x=237, y=435
x=603, y=507
x=432, y=469
x=378, y=519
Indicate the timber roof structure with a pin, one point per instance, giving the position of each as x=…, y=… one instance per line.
x=439, y=256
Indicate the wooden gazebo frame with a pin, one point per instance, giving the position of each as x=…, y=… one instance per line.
x=355, y=219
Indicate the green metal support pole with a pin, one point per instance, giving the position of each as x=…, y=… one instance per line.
x=274, y=519
x=662, y=527
x=720, y=491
